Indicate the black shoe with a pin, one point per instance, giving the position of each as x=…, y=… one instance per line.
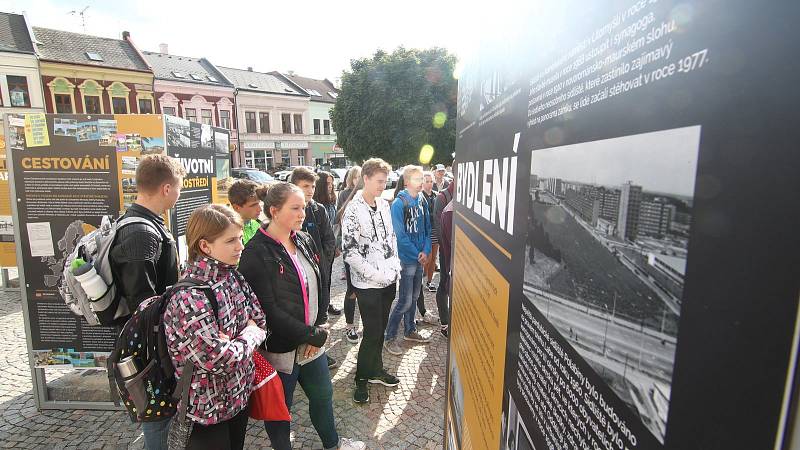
x=361, y=392
x=334, y=310
x=332, y=363
x=445, y=330
x=385, y=378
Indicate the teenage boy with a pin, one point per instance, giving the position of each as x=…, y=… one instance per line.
x=319, y=227
x=369, y=246
x=244, y=199
x=412, y=225
x=144, y=259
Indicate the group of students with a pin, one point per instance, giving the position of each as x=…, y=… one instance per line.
x=271, y=282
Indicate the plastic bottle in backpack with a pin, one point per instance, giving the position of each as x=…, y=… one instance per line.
x=91, y=282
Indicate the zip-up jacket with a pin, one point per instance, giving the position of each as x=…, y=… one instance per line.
x=222, y=381
x=369, y=244
x=412, y=225
x=269, y=269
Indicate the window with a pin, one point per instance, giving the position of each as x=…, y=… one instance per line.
x=205, y=116
x=18, y=91
x=286, y=160
x=92, y=103
x=212, y=79
x=263, y=121
x=225, y=119
x=301, y=158
x=191, y=114
x=253, y=85
x=327, y=125
x=145, y=106
x=169, y=110
x=298, y=124
x=333, y=94
x=316, y=126
x=120, y=105
x=196, y=77
x=250, y=122
x=94, y=56
x=63, y=103
x=178, y=75
x=286, y=123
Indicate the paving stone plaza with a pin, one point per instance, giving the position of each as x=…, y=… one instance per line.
x=409, y=416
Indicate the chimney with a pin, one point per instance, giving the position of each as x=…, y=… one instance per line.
x=291, y=73
x=125, y=35
x=163, y=48
x=249, y=69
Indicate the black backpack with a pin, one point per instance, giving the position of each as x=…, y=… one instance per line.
x=151, y=394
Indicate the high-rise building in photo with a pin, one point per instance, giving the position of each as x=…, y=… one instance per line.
x=630, y=201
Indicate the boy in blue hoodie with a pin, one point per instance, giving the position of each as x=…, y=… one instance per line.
x=412, y=225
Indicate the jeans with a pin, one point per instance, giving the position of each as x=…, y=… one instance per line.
x=349, y=298
x=374, y=306
x=227, y=435
x=155, y=434
x=443, y=292
x=404, y=309
x=315, y=379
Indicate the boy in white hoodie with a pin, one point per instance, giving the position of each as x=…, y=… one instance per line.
x=369, y=246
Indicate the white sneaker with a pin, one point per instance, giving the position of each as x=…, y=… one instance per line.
x=350, y=444
x=430, y=318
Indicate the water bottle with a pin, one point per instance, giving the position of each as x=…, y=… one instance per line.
x=90, y=281
x=127, y=367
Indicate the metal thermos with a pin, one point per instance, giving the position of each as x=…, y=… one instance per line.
x=127, y=367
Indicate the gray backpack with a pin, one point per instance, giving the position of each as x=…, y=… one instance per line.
x=94, y=249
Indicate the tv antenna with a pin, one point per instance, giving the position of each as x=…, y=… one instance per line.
x=81, y=13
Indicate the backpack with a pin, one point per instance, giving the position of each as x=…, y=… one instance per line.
x=153, y=393
x=95, y=248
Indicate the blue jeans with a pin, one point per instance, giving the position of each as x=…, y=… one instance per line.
x=404, y=309
x=155, y=434
x=315, y=379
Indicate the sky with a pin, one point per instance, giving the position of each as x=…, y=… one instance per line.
x=313, y=38
x=662, y=161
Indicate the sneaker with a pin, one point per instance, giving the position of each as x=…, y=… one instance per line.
x=352, y=335
x=332, y=310
x=350, y=444
x=432, y=287
x=429, y=318
x=385, y=378
x=416, y=337
x=444, y=330
x=332, y=362
x=361, y=392
x=393, y=347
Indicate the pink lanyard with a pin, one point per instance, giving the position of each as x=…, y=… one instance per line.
x=297, y=269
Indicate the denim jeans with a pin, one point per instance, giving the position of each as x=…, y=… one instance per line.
x=315, y=379
x=155, y=434
x=405, y=308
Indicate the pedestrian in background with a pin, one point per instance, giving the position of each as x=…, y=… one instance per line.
x=353, y=183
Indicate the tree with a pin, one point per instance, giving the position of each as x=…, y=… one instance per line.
x=391, y=105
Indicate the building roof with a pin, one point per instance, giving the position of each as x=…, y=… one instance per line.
x=248, y=80
x=14, y=35
x=76, y=48
x=320, y=90
x=185, y=69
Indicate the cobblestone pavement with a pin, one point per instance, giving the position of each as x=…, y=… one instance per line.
x=409, y=416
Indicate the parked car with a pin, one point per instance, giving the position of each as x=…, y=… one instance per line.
x=251, y=174
x=283, y=175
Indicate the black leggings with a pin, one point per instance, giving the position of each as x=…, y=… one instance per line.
x=349, y=298
x=228, y=435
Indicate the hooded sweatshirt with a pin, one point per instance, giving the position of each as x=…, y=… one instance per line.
x=369, y=244
x=412, y=225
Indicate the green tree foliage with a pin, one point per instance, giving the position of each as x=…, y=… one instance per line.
x=387, y=104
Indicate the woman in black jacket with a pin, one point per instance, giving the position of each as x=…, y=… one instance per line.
x=281, y=264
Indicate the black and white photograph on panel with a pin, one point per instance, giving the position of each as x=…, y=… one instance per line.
x=178, y=132
x=608, y=234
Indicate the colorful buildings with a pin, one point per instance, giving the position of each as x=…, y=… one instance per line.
x=192, y=88
x=273, y=120
x=322, y=138
x=93, y=75
x=20, y=83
